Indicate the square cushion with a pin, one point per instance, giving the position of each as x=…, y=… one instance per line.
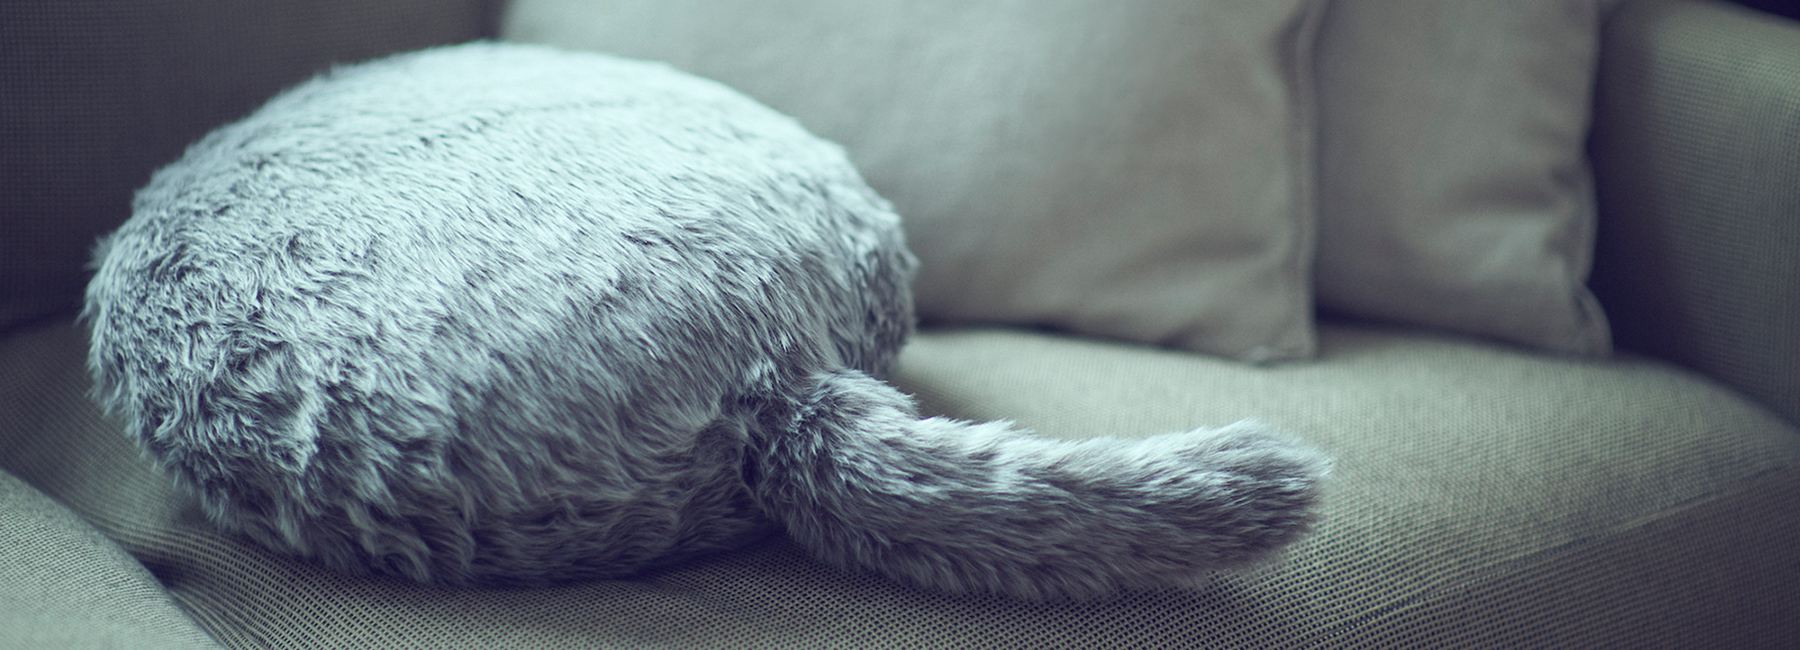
x=1133, y=170
x=1454, y=192
x=1483, y=497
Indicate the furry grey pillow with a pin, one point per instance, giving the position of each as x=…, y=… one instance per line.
x=503, y=314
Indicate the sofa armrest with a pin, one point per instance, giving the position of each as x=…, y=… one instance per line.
x=1696, y=147
x=94, y=94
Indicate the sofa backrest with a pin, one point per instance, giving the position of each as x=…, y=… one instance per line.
x=1696, y=261
x=96, y=94
x=1696, y=150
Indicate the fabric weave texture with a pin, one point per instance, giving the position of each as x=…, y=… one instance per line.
x=1483, y=496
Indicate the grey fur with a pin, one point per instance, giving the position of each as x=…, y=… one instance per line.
x=508, y=315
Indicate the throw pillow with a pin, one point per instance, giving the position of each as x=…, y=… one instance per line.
x=1453, y=188
x=1138, y=170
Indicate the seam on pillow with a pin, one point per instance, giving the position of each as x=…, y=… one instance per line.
x=1299, y=43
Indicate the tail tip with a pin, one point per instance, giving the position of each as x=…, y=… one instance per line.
x=1280, y=481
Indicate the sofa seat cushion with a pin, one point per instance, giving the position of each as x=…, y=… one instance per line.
x=1482, y=496
x=1578, y=501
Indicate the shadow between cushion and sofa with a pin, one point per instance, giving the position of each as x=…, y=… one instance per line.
x=1481, y=494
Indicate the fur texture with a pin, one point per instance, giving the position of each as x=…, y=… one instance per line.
x=502, y=314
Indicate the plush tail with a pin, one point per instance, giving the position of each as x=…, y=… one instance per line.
x=856, y=476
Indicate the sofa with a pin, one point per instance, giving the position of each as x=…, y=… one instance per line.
x=1634, y=483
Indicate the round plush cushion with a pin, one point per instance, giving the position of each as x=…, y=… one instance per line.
x=489, y=312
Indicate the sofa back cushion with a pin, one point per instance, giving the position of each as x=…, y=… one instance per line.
x=1135, y=170
x=1454, y=192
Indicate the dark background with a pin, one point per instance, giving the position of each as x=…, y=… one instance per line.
x=1789, y=8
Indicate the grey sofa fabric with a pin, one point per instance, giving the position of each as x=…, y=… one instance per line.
x=67, y=585
x=1483, y=495
x=1698, y=173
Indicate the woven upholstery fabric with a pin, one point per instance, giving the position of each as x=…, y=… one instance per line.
x=1484, y=498
x=95, y=94
x=65, y=585
x=1482, y=495
x=1697, y=154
